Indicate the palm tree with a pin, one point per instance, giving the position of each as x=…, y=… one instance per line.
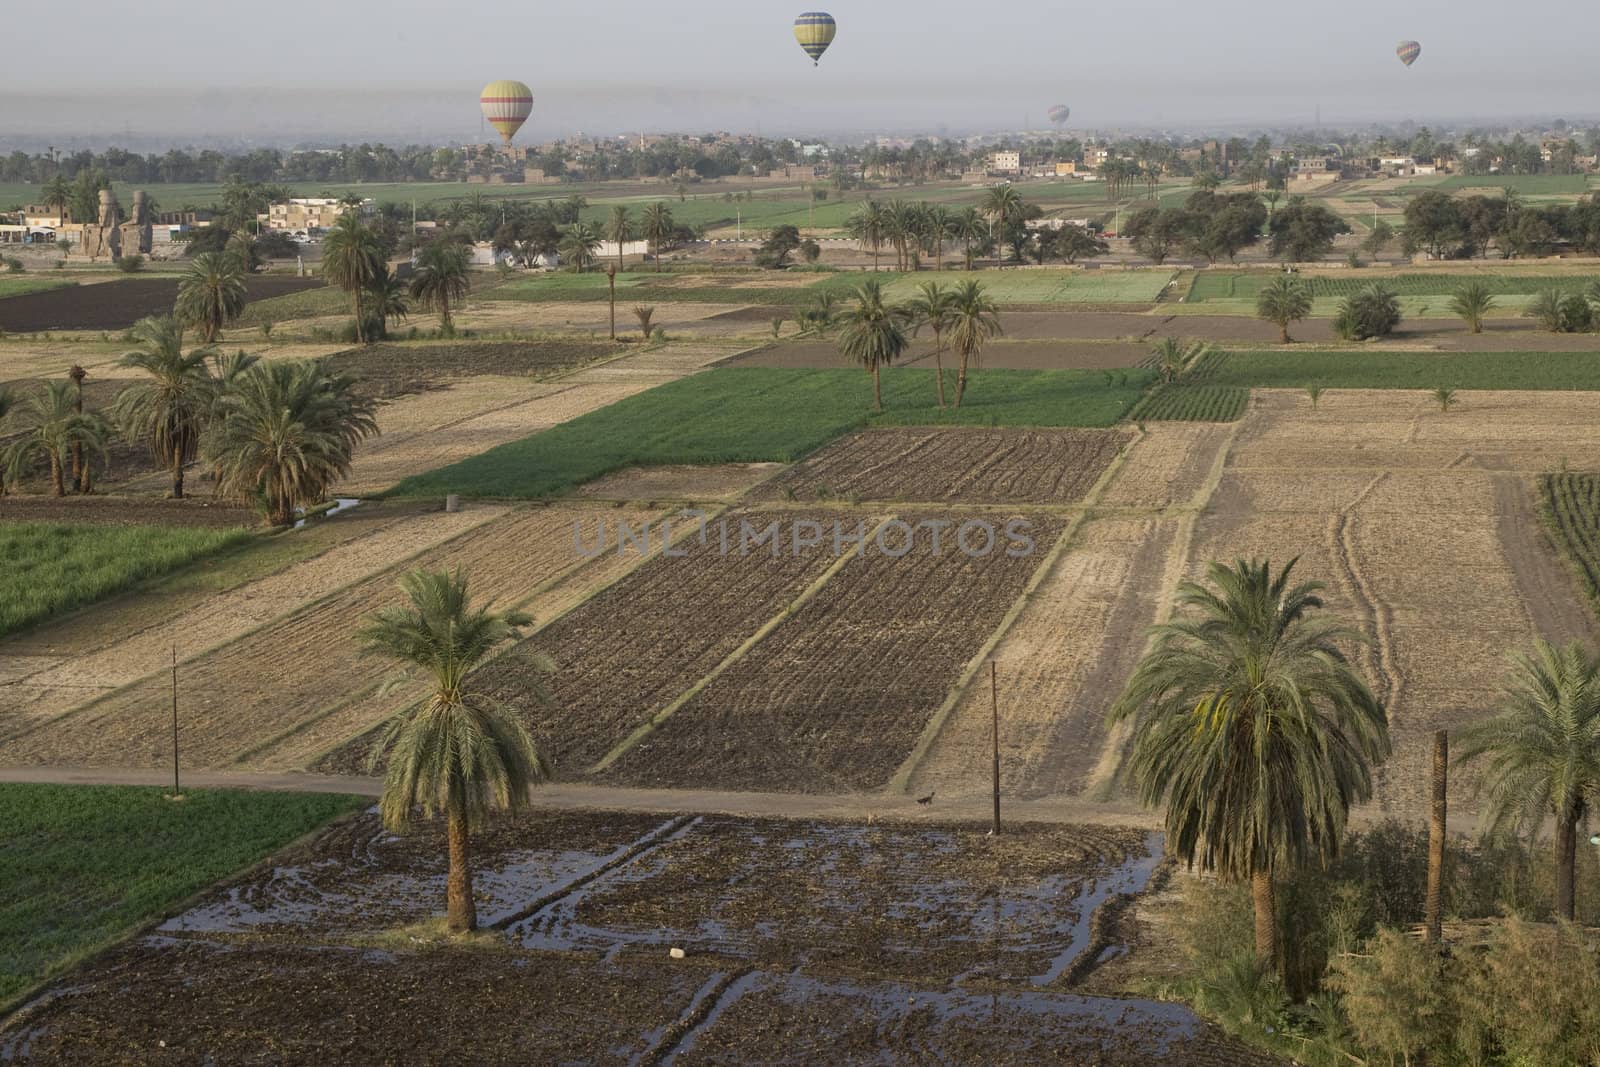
x=969, y=227
x=900, y=222
x=351, y=258
x=644, y=313
x=578, y=246
x=287, y=432
x=1173, y=357
x=974, y=321
x=241, y=248
x=934, y=307
x=619, y=228
x=461, y=753
x=869, y=226
x=657, y=228
x=1543, y=749
x=169, y=410
x=1284, y=300
x=873, y=334
x=1472, y=302
x=52, y=428
x=818, y=315
x=389, y=299
x=58, y=194
x=1003, y=205
x=211, y=295
x=1445, y=397
x=1253, y=729
x=442, y=276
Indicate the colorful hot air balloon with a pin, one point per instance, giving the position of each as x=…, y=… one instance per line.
x=815, y=31
x=1059, y=114
x=1408, y=51
x=507, y=105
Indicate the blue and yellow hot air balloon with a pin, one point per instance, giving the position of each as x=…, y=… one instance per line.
x=1408, y=51
x=815, y=31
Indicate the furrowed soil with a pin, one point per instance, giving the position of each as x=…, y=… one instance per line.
x=119, y=304
x=100, y=510
x=390, y=370
x=972, y=466
x=834, y=699
x=803, y=941
x=277, y=683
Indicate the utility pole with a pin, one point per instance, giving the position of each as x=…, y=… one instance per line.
x=1436, y=836
x=611, y=277
x=177, y=791
x=994, y=709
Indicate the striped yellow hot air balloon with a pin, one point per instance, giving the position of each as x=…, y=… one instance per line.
x=815, y=31
x=1408, y=51
x=507, y=105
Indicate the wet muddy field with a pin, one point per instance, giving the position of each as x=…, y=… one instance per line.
x=802, y=942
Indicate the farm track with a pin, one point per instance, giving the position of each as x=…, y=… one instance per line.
x=263, y=684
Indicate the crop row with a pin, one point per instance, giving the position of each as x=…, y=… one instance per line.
x=1572, y=510
x=1192, y=403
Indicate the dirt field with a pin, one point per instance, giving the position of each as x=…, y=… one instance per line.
x=971, y=466
x=716, y=482
x=125, y=511
x=118, y=305
x=803, y=941
x=838, y=694
x=390, y=370
x=284, y=683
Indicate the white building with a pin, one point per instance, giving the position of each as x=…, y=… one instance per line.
x=310, y=214
x=1005, y=163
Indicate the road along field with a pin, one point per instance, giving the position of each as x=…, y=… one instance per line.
x=280, y=687
x=801, y=941
x=970, y=466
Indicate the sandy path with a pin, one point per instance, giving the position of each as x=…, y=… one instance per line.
x=70, y=664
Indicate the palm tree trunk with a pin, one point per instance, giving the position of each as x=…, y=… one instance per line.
x=1433, y=909
x=361, y=335
x=938, y=365
x=461, y=914
x=177, y=477
x=444, y=311
x=1566, y=860
x=56, y=485
x=961, y=380
x=1283, y=332
x=877, y=390
x=1266, y=919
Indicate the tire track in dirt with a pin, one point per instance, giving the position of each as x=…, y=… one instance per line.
x=1380, y=615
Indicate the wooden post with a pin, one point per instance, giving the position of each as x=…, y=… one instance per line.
x=1434, y=906
x=611, y=276
x=994, y=709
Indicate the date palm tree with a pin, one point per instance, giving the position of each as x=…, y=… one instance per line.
x=388, y=300
x=1471, y=302
x=1173, y=357
x=52, y=428
x=442, y=277
x=968, y=228
x=1282, y=301
x=644, y=313
x=933, y=307
x=1003, y=204
x=287, y=432
x=1542, y=751
x=351, y=258
x=211, y=295
x=58, y=194
x=869, y=226
x=657, y=226
x=619, y=229
x=579, y=244
x=167, y=410
x=461, y=753
x=974, y=322
x=873, y=334
x=1253, y=730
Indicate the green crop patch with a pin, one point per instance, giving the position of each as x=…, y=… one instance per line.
x=770, y=414
x=1364, y=369
x=85, y=865
x=55, y=567
x=1572, y=512
x=1191, y=403
x=1247, y=285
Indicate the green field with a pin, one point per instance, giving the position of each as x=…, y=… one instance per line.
x=86, y=865
x=1526, y=184
x=1364, y=369
x=55, y=567
x=1044, y=286
x=1191, y=403
x=304, y=305
x=1571, y=505
x=17, y=284
x=1247, y=285
x=763, y=414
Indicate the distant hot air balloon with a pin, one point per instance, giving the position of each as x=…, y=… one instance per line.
x=815, y=31
x=1408, y=51
x=507, y=105
x=1059, y=114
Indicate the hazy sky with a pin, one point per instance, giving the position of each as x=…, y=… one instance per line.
x=404, y=69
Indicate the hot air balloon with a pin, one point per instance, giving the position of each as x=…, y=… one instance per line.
x=507, y=105
x=1059, y=114
x=1408, y=51
x=815, y=31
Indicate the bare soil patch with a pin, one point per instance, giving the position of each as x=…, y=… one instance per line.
x=100, y=510
x=118, y=305
x=390, y=370
x=965, y=466
x=716, y=482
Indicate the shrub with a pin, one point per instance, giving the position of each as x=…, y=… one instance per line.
x=1558, y=311
x=15, y=265
x=1396, y=995
x=1373, y=312
x=130, y=264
